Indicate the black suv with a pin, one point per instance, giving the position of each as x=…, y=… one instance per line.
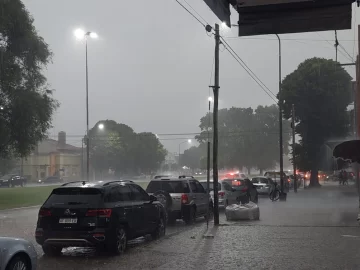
x=104, y=215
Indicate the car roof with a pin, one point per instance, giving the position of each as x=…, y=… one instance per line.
x=96, y=184
x=180, y=178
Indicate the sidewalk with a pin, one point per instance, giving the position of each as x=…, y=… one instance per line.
x=306, y=232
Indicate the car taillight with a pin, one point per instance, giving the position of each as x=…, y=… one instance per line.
x=99, y=213
x=221, y=193
x=289, y=180
x=184, y=199
x=245, y=189
x=44, y=213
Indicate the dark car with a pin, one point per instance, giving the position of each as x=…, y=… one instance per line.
x=12, y=180
x=245, y=189
x=104, y=215
x=51, y=180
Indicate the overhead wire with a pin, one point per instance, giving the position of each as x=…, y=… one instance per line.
x=196, y=18
x=195, y=11
x=249, y=71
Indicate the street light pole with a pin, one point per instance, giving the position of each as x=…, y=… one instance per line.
x=282, y=197
x=87, y=113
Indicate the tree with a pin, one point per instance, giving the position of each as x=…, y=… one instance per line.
x=320, y=90
x=247, y=138
x=117, y=146
x=26, y=107
x=192, y=157
x=149, y=152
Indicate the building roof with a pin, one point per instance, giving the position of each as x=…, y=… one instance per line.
x=49, y=145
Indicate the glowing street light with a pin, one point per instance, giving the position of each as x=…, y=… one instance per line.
x=83, y=35
x=101, y=126
x=210, y=99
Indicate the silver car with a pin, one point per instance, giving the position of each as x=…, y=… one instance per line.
x=262, y=184
x=17, y=254
x=227, y=194
x=183, y=197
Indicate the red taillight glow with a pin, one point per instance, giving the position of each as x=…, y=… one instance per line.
x=44, y=213
x=99, y=213
x=184, y=199
x=289, y=180
x=221, y=193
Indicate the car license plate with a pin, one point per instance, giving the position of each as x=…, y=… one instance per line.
x=68, y=220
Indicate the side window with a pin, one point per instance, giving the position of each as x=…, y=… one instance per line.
x=193, y=186
x=139, y=194
x=199, y=187
x=118, y=194
x=186, y=187
x=226, y=186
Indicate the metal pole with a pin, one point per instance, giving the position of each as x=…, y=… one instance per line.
x=280, y=127
x=293, y=147
x=208, y=165
x=357, y=112
x=82, y=159
x=215, y=124
x=87, y=116
x=179, y=155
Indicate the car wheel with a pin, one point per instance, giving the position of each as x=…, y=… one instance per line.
x=164, y=198
x=18, y=263
x=119, y=242
x=160, y=229
x=191, y=217
x=52, y=250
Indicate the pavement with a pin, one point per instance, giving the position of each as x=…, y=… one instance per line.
x=313, y=229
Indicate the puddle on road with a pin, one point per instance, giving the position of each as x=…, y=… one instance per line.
x=90, y=252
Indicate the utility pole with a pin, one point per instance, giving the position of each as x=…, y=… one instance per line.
x=208, y=163
x=293, y=146
x=215, y=126
x=87, y=114
x=357, y=115
x=282, y=195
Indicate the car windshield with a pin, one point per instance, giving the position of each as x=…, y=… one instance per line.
x=168, y=186
x=204, y=184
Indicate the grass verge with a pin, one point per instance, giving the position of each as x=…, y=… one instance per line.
x=23, y=196
x=30, y=196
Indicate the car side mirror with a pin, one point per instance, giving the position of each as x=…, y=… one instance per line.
x=153, y=198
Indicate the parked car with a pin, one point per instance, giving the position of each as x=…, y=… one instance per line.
x=17, y=253
x=51, y=180
x=246, y=190
x=183, y=197
x=275, y=176
x=262, y=184
x=12, y=180
x=104, y=215
x=227, y=195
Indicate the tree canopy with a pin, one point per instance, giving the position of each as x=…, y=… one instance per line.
x=320, y=89
x=26, y=106
x=247, y=138
x=118, y=147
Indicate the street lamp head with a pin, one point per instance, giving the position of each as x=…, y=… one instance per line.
x=189, y=141
x=101, y=126
x=1, y=108
x=93, y=35
x=79, y=33
x=210, y=99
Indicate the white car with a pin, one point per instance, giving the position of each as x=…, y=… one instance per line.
x=17, y=254
x=227, y=194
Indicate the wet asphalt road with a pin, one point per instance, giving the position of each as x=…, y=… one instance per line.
x=312, y=230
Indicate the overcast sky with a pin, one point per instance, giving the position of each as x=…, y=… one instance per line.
x=151, y=66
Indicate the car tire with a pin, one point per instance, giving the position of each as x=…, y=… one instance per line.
x=18, y=262
x=118, y=243
x=160, y=229
x=52, y=250
x=191, y=217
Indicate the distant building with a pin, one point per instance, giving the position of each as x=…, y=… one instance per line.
x=53, y=157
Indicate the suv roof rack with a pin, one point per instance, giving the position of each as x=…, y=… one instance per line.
x=185, y=176
x=116, y=181
x=74, y=182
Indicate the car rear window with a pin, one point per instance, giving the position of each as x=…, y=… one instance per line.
x=74, y=196
x=235, y=183
x=259, y=180
x=204, y=184
x=168, y=186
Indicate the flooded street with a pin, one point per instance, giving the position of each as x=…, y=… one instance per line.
x=313, y=228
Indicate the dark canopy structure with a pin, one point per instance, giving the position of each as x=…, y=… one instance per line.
x=349, y=150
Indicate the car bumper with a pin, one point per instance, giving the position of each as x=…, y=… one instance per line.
x=71, y=239
x=263, y=191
